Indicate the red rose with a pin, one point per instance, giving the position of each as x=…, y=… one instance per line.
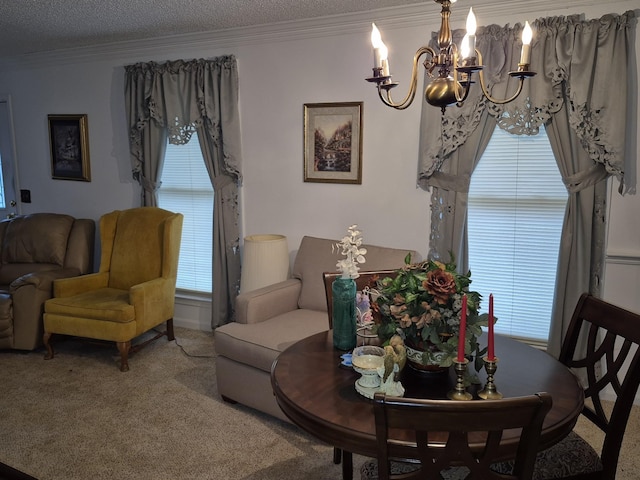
x=441, y=284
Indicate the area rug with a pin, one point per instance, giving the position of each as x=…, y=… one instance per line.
x=78, y=417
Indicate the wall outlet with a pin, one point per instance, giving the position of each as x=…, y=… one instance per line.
x=25, y=196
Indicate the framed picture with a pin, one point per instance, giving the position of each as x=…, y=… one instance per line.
x=333, y=142
x=69, y=142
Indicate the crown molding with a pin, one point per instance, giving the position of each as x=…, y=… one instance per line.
x=415, y=15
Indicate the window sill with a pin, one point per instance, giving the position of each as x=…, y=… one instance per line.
x=189, y=297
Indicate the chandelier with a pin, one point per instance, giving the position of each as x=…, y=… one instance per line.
x=455, y=67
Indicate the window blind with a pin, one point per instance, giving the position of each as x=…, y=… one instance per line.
x=186, y=188
x=517, y=203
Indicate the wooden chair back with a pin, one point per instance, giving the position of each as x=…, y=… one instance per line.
x=602, y=343
x=366, y=279
x=474, y=433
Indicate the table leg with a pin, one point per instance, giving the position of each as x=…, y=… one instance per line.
x=337, y=455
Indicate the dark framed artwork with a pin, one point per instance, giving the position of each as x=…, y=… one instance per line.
x=69, y=142
x=333, y=142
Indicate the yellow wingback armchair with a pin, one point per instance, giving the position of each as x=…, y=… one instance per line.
x=134, y=289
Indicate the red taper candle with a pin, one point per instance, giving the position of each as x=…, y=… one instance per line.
x=491, y=355
x=463, y=328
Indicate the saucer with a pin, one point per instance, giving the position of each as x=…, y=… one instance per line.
x=346, y=360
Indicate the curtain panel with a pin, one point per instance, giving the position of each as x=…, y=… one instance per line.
x=170, y=101
x=584, y=70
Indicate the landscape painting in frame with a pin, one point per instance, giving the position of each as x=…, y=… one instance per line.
x=333, y=142
x=69, y=141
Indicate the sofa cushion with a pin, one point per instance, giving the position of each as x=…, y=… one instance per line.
x=259, y=344
x=317, y=256
x=37, y=238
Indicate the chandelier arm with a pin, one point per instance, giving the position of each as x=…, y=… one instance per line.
x=466, y=77
x=498, y=101
x=467, y=89
x=408, y=99
x=485, y=91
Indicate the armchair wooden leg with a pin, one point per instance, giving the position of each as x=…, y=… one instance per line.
x=123, y=348
x=46, y=338
x=170, y=335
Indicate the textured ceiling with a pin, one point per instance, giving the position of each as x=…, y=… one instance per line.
x=30, y=26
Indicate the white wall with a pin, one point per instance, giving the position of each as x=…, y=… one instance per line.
x=281, y=67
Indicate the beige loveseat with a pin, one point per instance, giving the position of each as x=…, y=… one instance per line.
x=270, y=319
x=35, y=250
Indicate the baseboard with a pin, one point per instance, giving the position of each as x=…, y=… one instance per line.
x=193, y=324
x=193, y=313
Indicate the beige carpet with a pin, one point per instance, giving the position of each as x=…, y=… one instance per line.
x=78, y=417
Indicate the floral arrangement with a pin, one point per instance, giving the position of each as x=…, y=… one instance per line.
x=423, y=305
x=351, y=247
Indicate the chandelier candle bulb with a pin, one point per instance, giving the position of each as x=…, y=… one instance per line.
x=465, y=51
x=471, y=34
x=463, y=327
x=527, y=35
x=491, y=356
x=384, y=54
x=376, y=41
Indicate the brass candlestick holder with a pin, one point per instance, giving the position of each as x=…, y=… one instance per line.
x=490, y=392
x=459, y=392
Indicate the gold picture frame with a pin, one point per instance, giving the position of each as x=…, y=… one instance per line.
x=69, y=143
x=333, y=142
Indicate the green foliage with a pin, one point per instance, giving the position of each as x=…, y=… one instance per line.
x=423, y=304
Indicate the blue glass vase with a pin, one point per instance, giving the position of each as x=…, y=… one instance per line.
x=344, y=313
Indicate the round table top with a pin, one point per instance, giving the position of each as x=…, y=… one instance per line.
x=318, y=394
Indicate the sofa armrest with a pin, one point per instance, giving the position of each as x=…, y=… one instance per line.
x=42, y=280
x=267, y=302
x=29, y=293
x=67, y=287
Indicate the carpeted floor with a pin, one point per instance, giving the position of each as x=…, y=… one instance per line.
x=78, y=417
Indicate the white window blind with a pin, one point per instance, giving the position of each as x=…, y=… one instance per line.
x=516, y=207
x=186, y=188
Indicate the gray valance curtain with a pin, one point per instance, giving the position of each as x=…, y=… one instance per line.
x=170, y=101
x=580, y=96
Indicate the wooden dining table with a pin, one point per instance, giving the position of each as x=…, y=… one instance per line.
x=317, y=393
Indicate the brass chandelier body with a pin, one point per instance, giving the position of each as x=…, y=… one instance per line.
x=454, y=68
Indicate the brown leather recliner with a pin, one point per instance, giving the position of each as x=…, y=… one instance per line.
x=35, y=250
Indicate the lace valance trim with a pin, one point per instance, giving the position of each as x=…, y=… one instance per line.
x=554, y=50
x=187, y=118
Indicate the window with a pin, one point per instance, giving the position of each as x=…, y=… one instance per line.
x=516, y=208
x=186, y=188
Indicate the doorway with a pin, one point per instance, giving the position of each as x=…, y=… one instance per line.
x=9, y=206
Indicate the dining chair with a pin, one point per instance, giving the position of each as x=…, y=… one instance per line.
x=366, y=279
x=471, y=435
x=602, y=346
